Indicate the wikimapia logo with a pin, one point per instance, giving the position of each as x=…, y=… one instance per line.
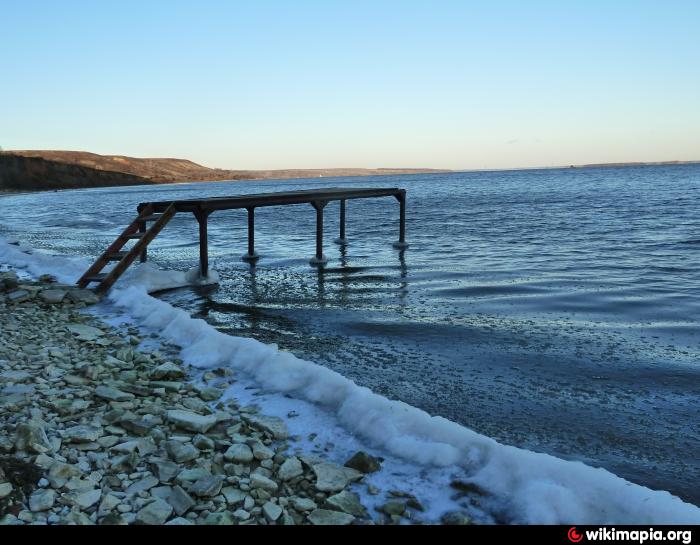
x=637, y=536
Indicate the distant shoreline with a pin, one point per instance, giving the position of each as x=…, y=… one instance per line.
x=32, y=171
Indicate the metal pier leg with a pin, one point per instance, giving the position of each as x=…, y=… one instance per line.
x=144, y=254
x=251, y=256
x=202, y=218
x=401, y=244
x=318, y=259
x=341, y=240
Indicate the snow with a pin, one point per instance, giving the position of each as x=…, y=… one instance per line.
x=422, y=452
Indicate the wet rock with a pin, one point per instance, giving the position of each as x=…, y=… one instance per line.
x=142, y=486
x=269, y=424
x=166, y=371
x=334, y=478
x=394, y=508
x=347, y=502
x=18, y=296
x=364, y=463
x=456, y=518
x=166, y=470
x=324, y=517
x=233, y=496
x=290, y=469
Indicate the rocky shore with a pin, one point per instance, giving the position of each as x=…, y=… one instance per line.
x=94, y=430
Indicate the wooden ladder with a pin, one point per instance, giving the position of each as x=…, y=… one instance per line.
x=135, y=231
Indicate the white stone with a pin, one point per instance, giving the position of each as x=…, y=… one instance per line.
x=290, y=469
x=191, y=421
x=239, y=453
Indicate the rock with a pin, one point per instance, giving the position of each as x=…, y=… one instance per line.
x=270, y=424
x=393, y=508
x=180, y=452
x=83, y=500
x=290, y=469
x=334, y=478
x=207, y=487
x=84, y=332
x=202, y=442
x=114, y=519
x=239, y=453
x=32, y=437
x=303, y=504
x=219, y=519
x=194, y=474
x=42, y=500
x=271, y=511
x=5, y=490
x=108, y=503
x=60, y=473
x=180, y=500
x=53, y=297
x=347, y=502
x=191, y=421
x=233, y=496
x=323, y=517
x=15, y=376
x=179, y=521
x=208, y=393
x=18, y=296
x=261, y=452
x=155, y=513
x=241, y=514
x=260, y=481
x=78, y=518
x=166, y=371
x=142, y=486
x=112, y=394
x=166, y=470
x=364, y=463
x=456, y=518
x=88, y=297
x=82, y=434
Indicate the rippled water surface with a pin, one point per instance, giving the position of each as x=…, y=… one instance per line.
x=556, y=310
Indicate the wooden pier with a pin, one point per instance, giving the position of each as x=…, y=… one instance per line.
x=158, y=214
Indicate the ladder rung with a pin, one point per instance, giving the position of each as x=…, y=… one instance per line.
x=134, y=236
x=116, y=256
x=96, y=277
x=152, y=217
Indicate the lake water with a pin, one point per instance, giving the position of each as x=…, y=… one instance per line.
x=555, y=310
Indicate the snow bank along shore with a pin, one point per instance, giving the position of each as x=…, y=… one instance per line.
x=498, y=483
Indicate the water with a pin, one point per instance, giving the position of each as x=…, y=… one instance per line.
x=554, y=310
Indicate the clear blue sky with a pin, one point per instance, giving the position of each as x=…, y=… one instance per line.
x=285, y=84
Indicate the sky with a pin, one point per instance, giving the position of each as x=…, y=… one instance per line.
x=333, y=83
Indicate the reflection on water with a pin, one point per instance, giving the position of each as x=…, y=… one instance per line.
x=556, y=310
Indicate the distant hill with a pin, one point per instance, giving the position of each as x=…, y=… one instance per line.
x=44, y=170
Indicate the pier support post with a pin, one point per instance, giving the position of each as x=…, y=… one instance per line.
x=319, y=259
x=251, y=256
x=401, y=244
x=341, y=240
x=202, y=217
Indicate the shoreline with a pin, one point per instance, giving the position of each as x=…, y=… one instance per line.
x=453, y=470
x=95, y=430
